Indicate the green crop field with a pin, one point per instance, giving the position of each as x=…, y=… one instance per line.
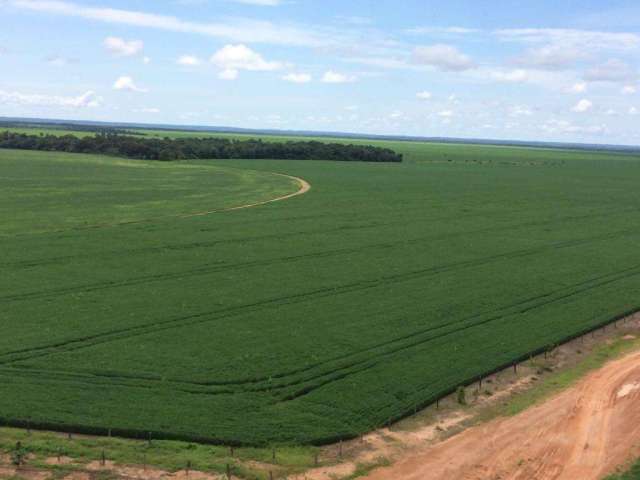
x=305, y=320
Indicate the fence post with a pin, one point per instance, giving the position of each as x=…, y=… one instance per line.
x=228, y=472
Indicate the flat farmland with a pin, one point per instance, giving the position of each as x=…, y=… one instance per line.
x=306, y=320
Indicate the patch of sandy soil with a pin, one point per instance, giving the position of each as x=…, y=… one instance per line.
x=582, y=433
x=24, y=472
x=77, y=476
x=150, y=473
x=62, y=460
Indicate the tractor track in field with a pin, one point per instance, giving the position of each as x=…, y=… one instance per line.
x=332, y=290
x=218, y=267
x=329, y=372
x=32, y=263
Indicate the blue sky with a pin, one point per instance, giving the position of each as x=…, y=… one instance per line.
x=561, y=70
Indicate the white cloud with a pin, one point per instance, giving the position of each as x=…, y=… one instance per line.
x=633, y=111
x=553, y=80
x=126, y=83
x=520, y=111
x=511, y=76
x=238, y=30
x=582, y=106
x=580, y=87
x=396, y=115
x=564, y=127
x=336, y=77
x=613, y=70
x=443, y=57
x=189, y=61
x=86, y=100
x=386, y=62
x=148, y=110
x=354, y=20
x=629, y=90
x=228, y=74
x=56, y=61
x=123, y=48
x=424, y=95
x=446, y=113
x=233, y=58
x=552, y=57
x=585, y=40
x=297, y=77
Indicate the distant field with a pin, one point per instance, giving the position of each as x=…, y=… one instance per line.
x=55, y=191
x=307, y=320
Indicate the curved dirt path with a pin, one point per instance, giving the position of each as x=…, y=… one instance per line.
x=304, y=188
x=583, y=433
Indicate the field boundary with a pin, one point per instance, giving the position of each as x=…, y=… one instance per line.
x=433, y=400
x=304, y=188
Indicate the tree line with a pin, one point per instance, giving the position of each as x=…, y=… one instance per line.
x=168, y=149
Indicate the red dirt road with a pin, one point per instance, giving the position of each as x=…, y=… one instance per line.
x=583, y=433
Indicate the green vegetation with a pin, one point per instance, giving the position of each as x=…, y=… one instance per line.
x=248, y=463
x=317, y=318
x=197, y=148
x=54, y=191
x=632, y=474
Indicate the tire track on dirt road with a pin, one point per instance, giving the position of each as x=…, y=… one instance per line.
x=582, y=433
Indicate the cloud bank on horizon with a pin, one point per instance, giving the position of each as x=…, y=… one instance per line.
x=467, y=70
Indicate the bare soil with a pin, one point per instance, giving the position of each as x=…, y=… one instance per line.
x=582, y=433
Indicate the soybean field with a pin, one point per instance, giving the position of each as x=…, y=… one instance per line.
x=306, y=320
